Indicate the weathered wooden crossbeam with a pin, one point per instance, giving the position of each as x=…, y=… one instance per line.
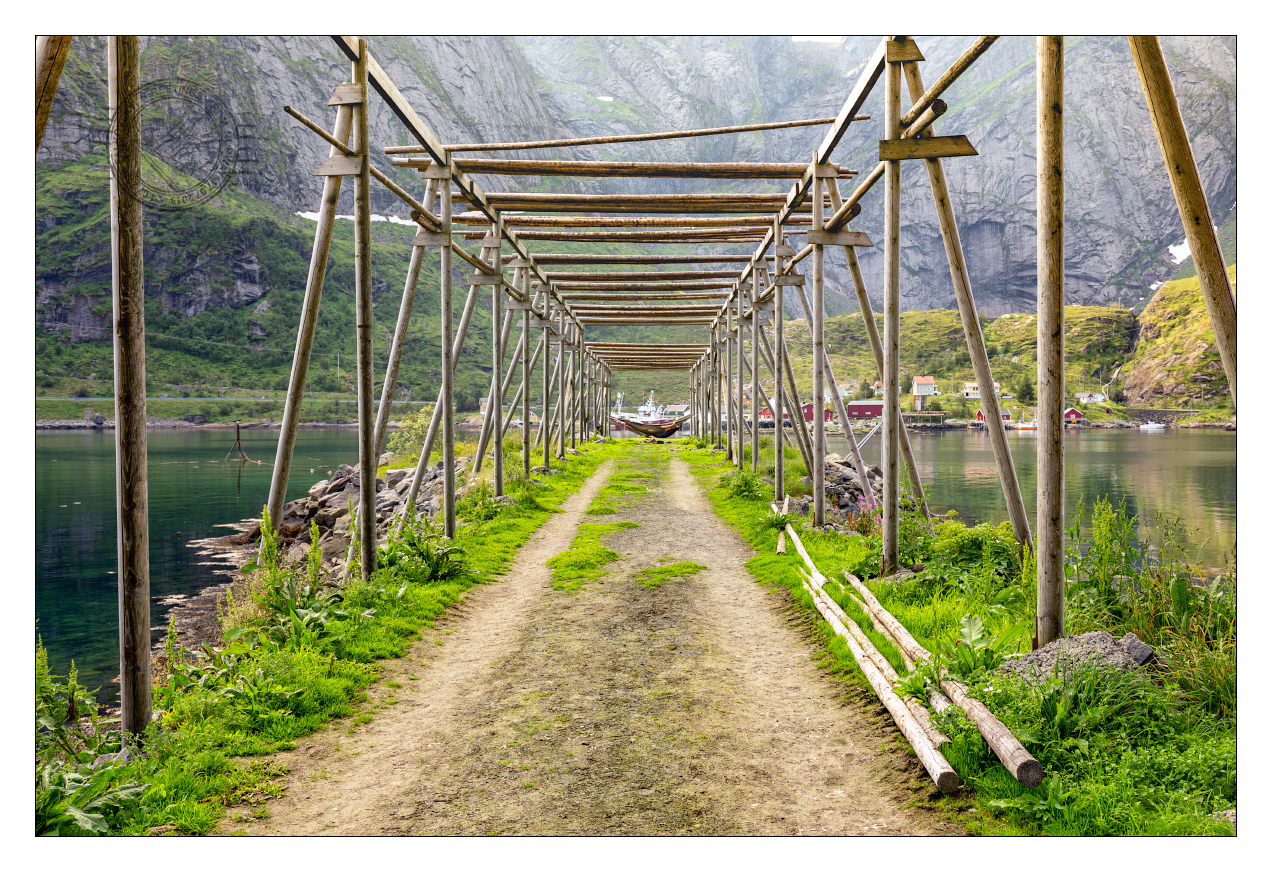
x=725, y=234
x=927, y=147
x=477, y=218
x=616, y=260
x=625, y=169
x=570, y=298
x=643, y=286
x=617, y=138
x=689, y=203
x=642, y=276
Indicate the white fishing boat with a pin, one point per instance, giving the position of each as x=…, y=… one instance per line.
x=651, y=419
x=1151, y=427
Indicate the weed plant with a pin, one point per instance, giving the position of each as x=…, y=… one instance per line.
x=299, y=650
x=1151, y=752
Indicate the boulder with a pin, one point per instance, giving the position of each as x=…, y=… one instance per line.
x=319, y=489
x=393, y=478
x=1126, y=653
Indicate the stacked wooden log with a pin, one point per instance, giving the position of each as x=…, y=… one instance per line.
x=910, y=715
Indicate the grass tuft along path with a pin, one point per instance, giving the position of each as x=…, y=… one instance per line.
x=688, y=706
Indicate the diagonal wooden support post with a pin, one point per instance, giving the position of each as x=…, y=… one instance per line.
x=972, y=327
x=308, y=325
x=1191, y=200
x=50, y=57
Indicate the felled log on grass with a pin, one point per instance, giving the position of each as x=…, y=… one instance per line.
x=1020, y=763
x=943, y=775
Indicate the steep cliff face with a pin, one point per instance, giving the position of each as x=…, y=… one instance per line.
x=1120, y=213
x=1121, y=216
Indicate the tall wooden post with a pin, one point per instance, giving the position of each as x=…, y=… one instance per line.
x=526, y=368
x=780, y=351
x=366, y=327
x=308, y=324
x=731, y=418
x=545, y=423
x=497, y=385
x=892, y=320
x=129, y=313
x=739, y=328
x=1050, y=556
x=818, y=398
x=561, y=382
x=1191, y=200
x=972, y=327
x=755, y=372
x=449, y=357
x=50, y=57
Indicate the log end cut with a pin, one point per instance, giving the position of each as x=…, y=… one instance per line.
x=948, y=781
x=1030, y=773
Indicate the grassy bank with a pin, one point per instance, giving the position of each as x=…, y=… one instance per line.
x=1123, y=754
x=299, y=652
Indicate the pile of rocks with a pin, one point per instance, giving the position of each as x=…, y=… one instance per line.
x=1123, y=653
x=328, y=503
x=844, y=489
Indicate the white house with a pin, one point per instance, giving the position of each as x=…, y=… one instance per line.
x=972, y=391
x=1090, y=397
x=922, y=388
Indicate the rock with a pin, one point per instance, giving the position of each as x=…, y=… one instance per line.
x=542, y=471
x=806, y=482
x=766, y=480
x=506, y=500
x=384, y=459
x=1229, y=815
x=98, y=420
x=194, y=419
x=334, y=546
x=833, y=458
x=298, y=551
x=1097, y=646
x=395, y=477
x=319, y=489
x=801, y=505
x=898, y=576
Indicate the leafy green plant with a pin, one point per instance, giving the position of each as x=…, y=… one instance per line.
x=746, y=485
x=777, y=521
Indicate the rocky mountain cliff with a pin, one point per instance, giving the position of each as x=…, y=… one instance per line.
x=1121, y=213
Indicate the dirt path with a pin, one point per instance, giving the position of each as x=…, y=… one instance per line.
x=690, y=707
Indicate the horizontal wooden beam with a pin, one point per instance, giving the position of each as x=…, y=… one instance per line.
x=641, y=286
x=570, y=298
x=477, y=218
x=707, y=234
x=625, y=169
x=640, y=276
x=688, y=203
x=615, y=260
x=617, y=138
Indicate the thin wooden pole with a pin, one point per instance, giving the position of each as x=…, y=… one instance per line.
x=972, y=328
x=755, y=371
x=50, y=57
x=739, y=329
x=1191, y=200
x=366, y=327
x=544, y=422
x=1050, y=555
x=877, y=349
x=527, y=366
x=819, y=352
x=780, y=352
x=497, y=367
x=396, y=347
x=308, y=324
x=499, y=386
x=448, y=373
x=561, y=383
x=892, y=321
x=129, y=299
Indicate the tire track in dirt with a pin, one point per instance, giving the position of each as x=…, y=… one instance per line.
x=693, y=707
x=343, y=784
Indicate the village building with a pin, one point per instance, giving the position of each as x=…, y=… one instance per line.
x=1090, y=397
x=1003, y=414
x=1072, y=415
x=921, y=389
x=972, y=390
x=861, y=410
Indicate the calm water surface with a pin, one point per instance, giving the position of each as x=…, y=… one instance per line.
x=191, y=492
x=1188, y=474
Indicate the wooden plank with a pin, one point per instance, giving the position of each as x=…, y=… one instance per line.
x=929, y=147
x=1050, y=527
x=486, y=279
x=340, y=165
x=761, y=221
x=428, y=238
x=896, y=51
x=1191, y=201
x=724, y=234
x=684, y=203
x=841, y=238
x=346, y=94
x=790, y=279
x=129, y=321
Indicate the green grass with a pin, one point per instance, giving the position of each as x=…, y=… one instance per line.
x=653, y=577
x=587, y=556
x=203, y=752
x=1122, y=754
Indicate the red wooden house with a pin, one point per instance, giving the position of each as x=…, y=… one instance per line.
x=1072, y=415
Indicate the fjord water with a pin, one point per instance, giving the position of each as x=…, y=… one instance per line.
x=1185, y=474
x=1189, y=475
x=192, y=491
